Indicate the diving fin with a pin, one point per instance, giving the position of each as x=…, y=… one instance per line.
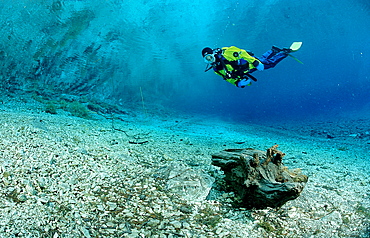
x=295, y=46
x=295, y=59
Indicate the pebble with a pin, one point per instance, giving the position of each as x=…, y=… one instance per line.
x=176, y=224
x=85, y=232
x=41, y=182
x=100, y=207
x=43, y=200
x=185, y=225
x=22, y=198
x=153, y=222
x=111, y=206
x=30, y=189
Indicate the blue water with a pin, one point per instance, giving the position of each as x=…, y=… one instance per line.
x=123, y=50
x=333, y=79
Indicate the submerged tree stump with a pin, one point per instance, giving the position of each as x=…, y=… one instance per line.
x=260, y=178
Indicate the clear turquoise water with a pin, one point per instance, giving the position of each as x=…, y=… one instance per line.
x=121, y=50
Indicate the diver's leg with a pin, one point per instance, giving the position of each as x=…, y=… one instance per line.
x=271, y=58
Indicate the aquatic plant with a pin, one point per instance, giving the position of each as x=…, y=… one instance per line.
x=363, y=211
x=94, y=107
x=208, y=218
x=78, y=109
x=51, y=108
x=37, y=98
x=266, y=226
x=210, y=215
x=343, y=148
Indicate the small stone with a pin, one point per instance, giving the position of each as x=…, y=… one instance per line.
x=329, y=136
x=185, y=225
x=335, y=218
x=186, y=209
x=43, y=200
x=22, y=198
x=293, y=214
x=111, y=206
x=153, y=222
x=176, y=224
x=163, y=224
x=30, y=189
x=85, y=232
x=41, y=182
x=7, y=181
x=225, y=195
x=129, y=214
x=110, y=224
x=219, y=230
x=100, y=207
x=224, y=234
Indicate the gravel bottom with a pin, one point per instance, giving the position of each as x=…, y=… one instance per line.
x=63, y=176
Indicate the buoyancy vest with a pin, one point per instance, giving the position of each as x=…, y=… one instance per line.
x=237, y=62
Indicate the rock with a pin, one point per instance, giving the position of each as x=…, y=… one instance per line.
x=43, y=200
x=41, y=181
x=111, y=206
x=176, y=224
x=329, y=136
x=191, y=184
x=153, y=222
x=185, y=225
x=22, y=198
x=100, y=208
x=260, y=179
x=30, y=189
x=85, y=232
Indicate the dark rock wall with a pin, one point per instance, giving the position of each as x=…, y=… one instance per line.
x=106, y=48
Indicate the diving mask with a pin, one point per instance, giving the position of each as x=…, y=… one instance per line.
x=209, y=58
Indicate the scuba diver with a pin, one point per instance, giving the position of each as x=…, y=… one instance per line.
x=235, y=65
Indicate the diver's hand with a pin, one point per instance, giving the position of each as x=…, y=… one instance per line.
x=260, y=67
x=244, y=82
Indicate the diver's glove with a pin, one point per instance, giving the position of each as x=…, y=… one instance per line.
x=259, y=66
x=244, y=82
